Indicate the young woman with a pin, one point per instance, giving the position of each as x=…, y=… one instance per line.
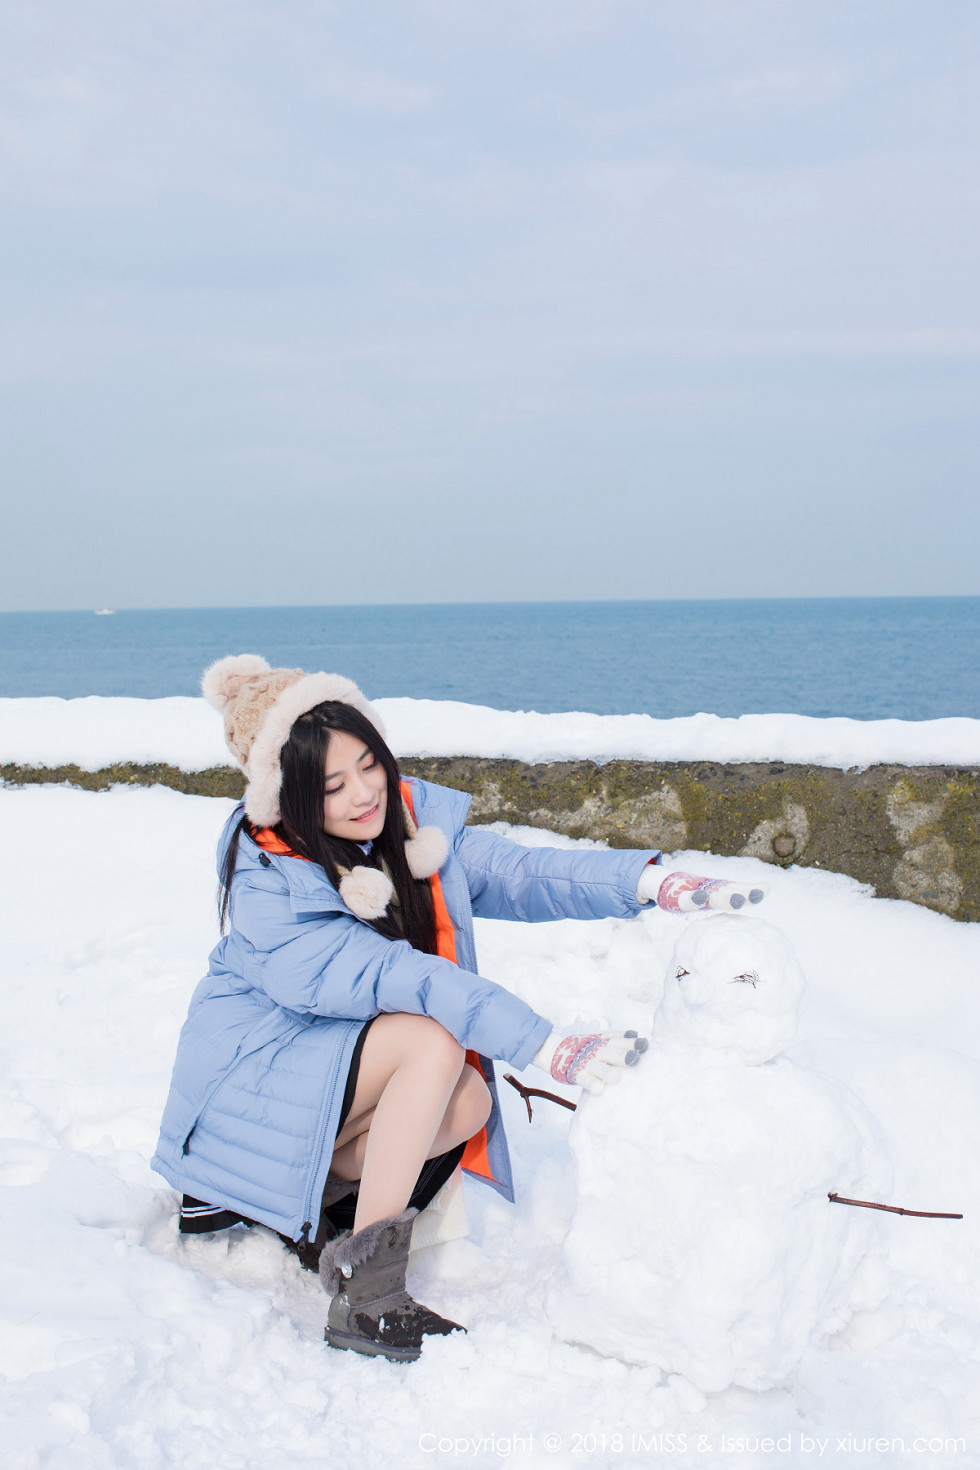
x=336, y=1062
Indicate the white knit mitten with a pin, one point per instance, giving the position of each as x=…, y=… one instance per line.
x=686, y=893
x=591, y=1062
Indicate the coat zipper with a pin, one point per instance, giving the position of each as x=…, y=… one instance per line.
x=315, y=1171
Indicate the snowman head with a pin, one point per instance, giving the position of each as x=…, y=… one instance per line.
x=733, y=985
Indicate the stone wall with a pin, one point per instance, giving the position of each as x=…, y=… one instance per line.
x=911, y=832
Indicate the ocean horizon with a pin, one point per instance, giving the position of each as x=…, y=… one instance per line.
x=913, y=658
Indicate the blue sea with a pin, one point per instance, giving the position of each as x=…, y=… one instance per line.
x=868, y=658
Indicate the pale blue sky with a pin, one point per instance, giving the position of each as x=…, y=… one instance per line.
x=437, y=300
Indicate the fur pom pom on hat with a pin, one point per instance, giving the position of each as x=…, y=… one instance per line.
x=259, y=706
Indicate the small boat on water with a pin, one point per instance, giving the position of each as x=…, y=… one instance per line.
x=103, y=612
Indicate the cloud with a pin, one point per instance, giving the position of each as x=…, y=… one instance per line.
x=372, y=91
x=511, y=255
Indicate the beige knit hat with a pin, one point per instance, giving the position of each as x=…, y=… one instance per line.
x=260, y=706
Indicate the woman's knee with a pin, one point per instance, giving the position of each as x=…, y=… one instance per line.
x=420, y=1038
x=440, y=1050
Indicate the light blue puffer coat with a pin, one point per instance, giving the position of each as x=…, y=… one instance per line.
x=264, y=1054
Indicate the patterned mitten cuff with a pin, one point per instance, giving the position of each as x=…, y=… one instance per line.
x=687, y=893
x=571, y=1054
x=591, y=1061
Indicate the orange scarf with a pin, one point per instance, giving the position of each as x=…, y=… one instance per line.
x=475, y=1154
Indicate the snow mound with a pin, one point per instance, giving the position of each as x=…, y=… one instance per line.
x=703, y=1241
x=124, y=1346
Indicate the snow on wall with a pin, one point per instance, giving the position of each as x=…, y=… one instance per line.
x=96, y=732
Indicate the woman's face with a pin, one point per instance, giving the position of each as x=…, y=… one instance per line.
x=355, y=791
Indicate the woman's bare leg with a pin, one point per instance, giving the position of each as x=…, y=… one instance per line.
x=464, y=1116
x=414, y=1099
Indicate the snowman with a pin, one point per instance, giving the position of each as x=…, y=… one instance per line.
x=702, y=1241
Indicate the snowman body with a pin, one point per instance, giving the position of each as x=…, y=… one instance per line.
x=702, y=1240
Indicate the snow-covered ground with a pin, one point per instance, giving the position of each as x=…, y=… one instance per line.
x=123, y=1346
x=97, y=732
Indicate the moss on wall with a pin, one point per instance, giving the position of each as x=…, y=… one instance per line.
x=218, y=781
x=910, y=832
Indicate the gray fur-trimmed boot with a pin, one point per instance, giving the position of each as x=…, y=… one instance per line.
x=370, y=1310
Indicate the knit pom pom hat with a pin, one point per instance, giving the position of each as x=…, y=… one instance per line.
x=260, y=705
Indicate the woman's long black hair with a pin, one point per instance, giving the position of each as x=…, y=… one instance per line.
x=304, y=765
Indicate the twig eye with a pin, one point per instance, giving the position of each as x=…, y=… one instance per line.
x=680, y=972
x=751, y=977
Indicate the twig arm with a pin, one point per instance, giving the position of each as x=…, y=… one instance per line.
x=528, y=1092
x=867, y=1204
